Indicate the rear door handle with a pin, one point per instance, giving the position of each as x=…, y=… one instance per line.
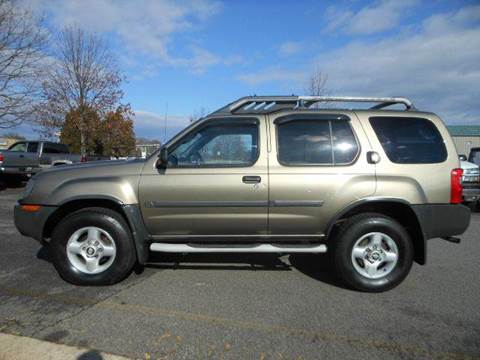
x=251, y=179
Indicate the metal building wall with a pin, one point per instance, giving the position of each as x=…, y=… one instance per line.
x=465, y=143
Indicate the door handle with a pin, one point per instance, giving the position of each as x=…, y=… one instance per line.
x=251, y=179
x=22, y=156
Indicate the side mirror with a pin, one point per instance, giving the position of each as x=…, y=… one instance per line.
x=162, y=158
x=462, y=157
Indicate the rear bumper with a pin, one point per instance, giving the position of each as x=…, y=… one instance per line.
x=23, y=171
x=31, y=224
x=442, y=220
x=471, y=192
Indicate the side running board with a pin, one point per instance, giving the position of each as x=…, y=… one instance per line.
x=253, y=248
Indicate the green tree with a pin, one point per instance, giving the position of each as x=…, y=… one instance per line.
x=70, y=131
x=117, y=134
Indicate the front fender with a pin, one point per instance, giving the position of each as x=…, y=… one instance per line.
x=119, y=189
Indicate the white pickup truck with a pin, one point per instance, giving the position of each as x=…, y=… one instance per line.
x=471, y=181
x=25, y=158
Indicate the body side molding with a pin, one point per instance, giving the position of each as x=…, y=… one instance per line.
x=253, y=203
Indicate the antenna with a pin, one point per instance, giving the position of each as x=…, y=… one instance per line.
x=165, y=124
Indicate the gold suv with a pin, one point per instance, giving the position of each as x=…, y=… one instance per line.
x=269, y=174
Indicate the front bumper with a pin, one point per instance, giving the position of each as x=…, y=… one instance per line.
x=442, y=220
x=31, y=224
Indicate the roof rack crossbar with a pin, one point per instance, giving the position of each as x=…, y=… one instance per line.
x=383, y=101
x=269, y=104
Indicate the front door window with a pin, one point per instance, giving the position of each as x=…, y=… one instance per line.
x=218, y=144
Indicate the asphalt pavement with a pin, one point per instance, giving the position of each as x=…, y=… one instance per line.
x=245, y=306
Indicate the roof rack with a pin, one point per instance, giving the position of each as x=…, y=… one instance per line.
x=270, y=104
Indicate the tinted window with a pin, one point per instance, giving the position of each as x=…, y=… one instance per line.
x=309, y=142
x=32, y=147
x=474, y=156
x=220, y=144
x=52, y=148
x=19, y=147
x=345, y=146
x=409, y=140
x=305, y=142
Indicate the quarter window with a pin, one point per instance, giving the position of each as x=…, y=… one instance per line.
x=409, y=140
x=52, y=148
x=316, y=142
x=345, y=146
x=228, y=143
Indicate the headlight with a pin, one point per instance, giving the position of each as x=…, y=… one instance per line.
x=28, y=188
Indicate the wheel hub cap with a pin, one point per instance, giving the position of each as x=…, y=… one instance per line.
x=91, y=250
x=375, y=255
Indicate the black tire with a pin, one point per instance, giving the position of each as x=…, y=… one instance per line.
x=107, y=220
x=351, y=231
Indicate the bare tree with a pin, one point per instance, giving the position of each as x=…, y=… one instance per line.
x=21, y=43
x=84, y=77
x=317, y=83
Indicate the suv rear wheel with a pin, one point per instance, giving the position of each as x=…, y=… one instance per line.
x=372, y=252
x=93, y=246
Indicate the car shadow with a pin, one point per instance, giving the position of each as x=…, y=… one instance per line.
x=225, y=261
x=474, y=207
x=44, y=254
x=7, y=184
x=315, y=266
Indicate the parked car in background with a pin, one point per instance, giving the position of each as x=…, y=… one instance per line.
x=25, y=158
x=470, y=180
x=262, y=175
x=474, y=156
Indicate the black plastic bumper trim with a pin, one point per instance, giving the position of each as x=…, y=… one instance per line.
x=442, y=220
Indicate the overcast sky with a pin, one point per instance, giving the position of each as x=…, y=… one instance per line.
x=204, y=54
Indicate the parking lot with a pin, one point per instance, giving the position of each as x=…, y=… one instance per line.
x=245, y=306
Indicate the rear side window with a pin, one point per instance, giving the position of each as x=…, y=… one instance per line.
x=345, y=146
x=316, y=142
x=32, y=147
x=409, y=140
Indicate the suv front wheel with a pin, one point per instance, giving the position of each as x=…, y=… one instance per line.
x=93, y=246
x=372, y=252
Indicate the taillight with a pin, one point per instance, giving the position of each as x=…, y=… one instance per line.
x=456, y=188
x=1, y=158
x=83, y=158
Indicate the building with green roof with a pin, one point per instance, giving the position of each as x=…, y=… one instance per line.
x=465, y=137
